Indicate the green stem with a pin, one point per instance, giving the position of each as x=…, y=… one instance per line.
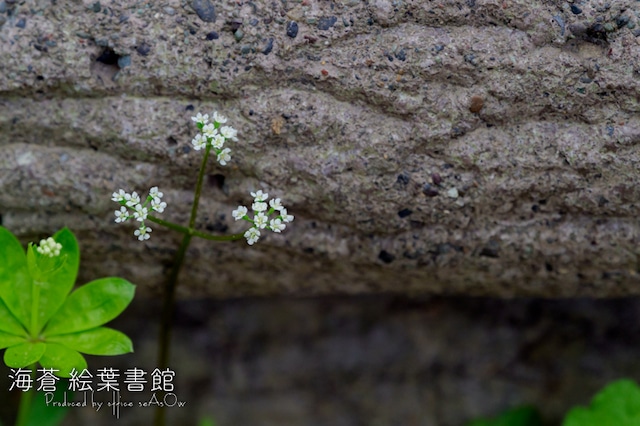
x=25, y=401
x=166, y=322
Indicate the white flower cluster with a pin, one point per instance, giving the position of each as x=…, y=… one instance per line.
x=261, y=216
x=49, y=247
x=139, y=211
x=214, y=135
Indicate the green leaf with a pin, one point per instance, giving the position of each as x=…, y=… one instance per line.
x=63, y=359
x=19, y=356
x=55, y=276
x=7, y=339
x=618, y=404
x=521, y=416
x=8, y=322
x=91, y=306
x=43, y=414
x=15, y=281
x=98, y=341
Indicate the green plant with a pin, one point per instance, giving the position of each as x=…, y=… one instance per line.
x=43, y=322
x=270, y=216
x=618, y=404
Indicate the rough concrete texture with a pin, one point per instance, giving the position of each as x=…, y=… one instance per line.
x=375, y=361
x=477, y=147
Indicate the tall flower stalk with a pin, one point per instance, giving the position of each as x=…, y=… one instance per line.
x=271, y=216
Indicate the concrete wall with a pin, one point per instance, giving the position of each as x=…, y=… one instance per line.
x=527, y=109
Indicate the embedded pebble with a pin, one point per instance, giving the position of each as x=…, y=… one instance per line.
x=21, y=23
x=575, y=9
x=452, y=193
x=403, y=179
x=436, y=178
x=169, y=10
x=476, y=103
x=560, y=21
x=269, y=47
x=292, y=29
x=124, y=61
x=471, y=58
x=404, y=213
x=205, y=10
x=621, y=21
x=326, y=23
x=212, y=35
x=143, y=49
x=429, y=190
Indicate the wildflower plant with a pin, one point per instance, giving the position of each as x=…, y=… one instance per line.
x=41, y=320
x=266, y=215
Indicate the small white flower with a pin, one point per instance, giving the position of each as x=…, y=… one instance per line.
x=258, y=206
x=219, y=118
x=153, y=192
x=199, y=142
x=217, y=141
x=132, y=199
x=259, y=196
x=143, y=232
x=260, y=220
x=140, y=213
x=158, y=205
x=122, y=214
x=49, y=247
x=199, y=118
x=224, y=156
x=119, y=196
x=229, y=132
x=209, y=130
x=275, y=204
x=277, y=225
x=285, y=217
x=252, y=235
x=239, y=213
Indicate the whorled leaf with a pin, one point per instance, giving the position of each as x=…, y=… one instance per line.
x=8, y=322
x=15, y=281
x=91, y=305
x=61, y=358
x=24, y=354
x=98, y=341
x=7, y=340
